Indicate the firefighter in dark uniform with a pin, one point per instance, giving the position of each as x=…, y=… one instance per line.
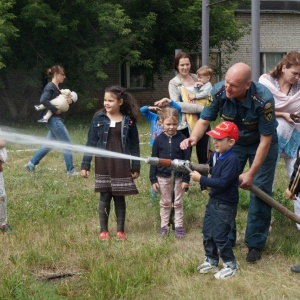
x=250, y=105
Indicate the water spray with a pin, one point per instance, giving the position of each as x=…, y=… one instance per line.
x=26, y=139
x=180, y=165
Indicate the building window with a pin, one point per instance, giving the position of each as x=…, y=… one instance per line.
x=269, y=60
x=134, y=77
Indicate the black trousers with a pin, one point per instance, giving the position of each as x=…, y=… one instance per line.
x=104, y=210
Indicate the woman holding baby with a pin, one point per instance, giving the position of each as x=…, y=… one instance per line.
x=185, y=79
x=57, y=130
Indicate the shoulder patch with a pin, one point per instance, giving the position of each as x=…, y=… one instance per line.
x=268, y=112
x=209, y=100
x=217, y=95
x=267, y=107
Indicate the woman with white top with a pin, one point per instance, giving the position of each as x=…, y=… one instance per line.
x=184, y=78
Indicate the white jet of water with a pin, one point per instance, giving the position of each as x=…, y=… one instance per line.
x=19, y=138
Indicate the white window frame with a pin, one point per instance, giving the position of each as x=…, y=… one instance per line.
x=264, y=68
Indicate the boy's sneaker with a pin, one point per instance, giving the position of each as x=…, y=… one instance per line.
x=121, y=236
x=30, y=167
x=207, y=267
x=226, y=272
x=163, y=232
x=43, y=120
x=179, y=232
x=37, y=107
x=182, y=126
x=6, y=229
x=104, y=236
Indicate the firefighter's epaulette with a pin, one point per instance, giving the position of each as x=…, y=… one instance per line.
x=218, y=94
x=258, y=100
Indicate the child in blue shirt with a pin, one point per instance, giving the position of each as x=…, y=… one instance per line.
x=153, y=118
x=222, y=207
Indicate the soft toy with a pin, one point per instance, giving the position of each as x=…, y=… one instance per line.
x=60, y=102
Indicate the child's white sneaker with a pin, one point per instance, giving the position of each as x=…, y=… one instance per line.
x=207, y=267
x=226, y=272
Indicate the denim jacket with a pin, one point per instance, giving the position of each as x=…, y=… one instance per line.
x=98, y=134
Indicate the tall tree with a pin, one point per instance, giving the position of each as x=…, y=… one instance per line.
x=179, y=26
x=7, y=32
x=86, y=36
x=7, y=29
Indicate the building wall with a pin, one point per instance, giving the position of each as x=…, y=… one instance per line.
x=160, y=90
x=143, y=96
x=279, y=32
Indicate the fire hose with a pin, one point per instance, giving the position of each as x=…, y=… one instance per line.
x=187, y=167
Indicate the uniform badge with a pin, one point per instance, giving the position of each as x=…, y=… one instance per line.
x=209, y=100
x=268, y=112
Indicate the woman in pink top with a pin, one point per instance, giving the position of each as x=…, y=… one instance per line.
x=284, y=83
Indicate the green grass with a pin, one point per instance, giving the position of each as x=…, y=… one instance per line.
x=56, y=227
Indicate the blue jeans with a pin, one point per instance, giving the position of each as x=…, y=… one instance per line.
x=259, y=213
x=217, y=225
x=57, y=131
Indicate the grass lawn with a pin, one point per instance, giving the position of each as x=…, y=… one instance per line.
x=54, y=251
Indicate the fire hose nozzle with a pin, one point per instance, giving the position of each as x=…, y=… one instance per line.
x=181, y=165
x=155, y=161
x=178, y=164
x=152, y=161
